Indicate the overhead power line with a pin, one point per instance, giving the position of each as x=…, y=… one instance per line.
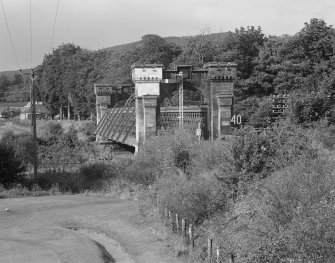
x=10, y=36
x=31, y=37
x=14, y=92
x=54, y=26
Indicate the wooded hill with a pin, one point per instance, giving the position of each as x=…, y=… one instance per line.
x=301, y=65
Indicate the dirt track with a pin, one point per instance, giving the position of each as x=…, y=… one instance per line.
x=38, y=229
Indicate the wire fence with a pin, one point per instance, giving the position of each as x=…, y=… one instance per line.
x=185, y=228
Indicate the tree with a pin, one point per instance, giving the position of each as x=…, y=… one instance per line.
x=298, y=62
x=154, y=48
x=199, y=50
x=18, y=79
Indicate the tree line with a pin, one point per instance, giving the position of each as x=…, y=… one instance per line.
x=301, y=65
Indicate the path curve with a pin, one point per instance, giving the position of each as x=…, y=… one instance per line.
x=38, y=229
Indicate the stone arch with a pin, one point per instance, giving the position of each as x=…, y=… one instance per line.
x=167, y=89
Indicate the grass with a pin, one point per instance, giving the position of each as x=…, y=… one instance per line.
x=17, y=129
x=21, y=191
x=20, y=127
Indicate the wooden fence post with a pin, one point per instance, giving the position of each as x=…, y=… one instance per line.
x=190, y=233
x=166, y=215
x=209, y=250
x=183, y=227
x=232, y=258
x=177, y=224
x=171, y=220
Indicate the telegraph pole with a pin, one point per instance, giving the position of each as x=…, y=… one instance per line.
x=33, y=118
x=181, y=101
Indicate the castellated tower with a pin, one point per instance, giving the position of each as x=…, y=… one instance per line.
x=147, y=78
x=103, y=94
x=220, y=77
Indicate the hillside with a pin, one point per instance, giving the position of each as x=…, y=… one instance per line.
x=10, y=74
x=179, y=41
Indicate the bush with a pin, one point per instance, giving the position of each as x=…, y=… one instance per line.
x=89, y=177
x=289, y=217
x=194, y=199
x=161, y=156
x=88, y=129
x=207, y=156
x=246, y=108
x=51, y=131
x=23, y=145
x=309, y=107
x=11, y=168
x=255, y=156
x=67, y=182
x=92, y=175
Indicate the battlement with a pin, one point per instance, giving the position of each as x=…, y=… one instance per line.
x=103, y=89
x=221, y=71
x=147, y=72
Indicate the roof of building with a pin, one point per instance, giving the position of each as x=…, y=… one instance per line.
x=40, y=108
x=12, y=104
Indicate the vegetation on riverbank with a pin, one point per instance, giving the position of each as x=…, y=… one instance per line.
x=265, y=197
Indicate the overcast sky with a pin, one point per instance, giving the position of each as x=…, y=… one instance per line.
x=96, y=24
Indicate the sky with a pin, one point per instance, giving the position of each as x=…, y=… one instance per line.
x=95, y=24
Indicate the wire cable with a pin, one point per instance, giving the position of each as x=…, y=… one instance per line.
x=31, y=37
x=10, y=36
x=14, y=92
x=54, y=26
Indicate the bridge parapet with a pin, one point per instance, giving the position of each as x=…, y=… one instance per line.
x=222, y=71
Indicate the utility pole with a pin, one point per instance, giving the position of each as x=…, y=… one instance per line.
x=181, y=101
x=33, y=118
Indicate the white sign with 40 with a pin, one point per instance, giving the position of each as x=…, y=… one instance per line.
x=236, y=119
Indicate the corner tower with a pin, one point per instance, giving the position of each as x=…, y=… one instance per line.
x=103, y=94
x=221, y=78
x=147, y=78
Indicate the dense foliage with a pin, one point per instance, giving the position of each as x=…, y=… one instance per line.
x=262, y=197
x=298, y=65
x=11, y=167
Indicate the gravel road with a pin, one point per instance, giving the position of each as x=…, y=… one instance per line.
x=77, y=228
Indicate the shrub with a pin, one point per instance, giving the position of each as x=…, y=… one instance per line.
x=25, y=148
x=23, y=145
x=310, y=107
x=88, y=129
x=11, y=168
x=289, y=217
x=67, y=182
x=255, y=156
x=246, y=108
x=51, y=131
x=161, y=156
x=89, y=177
x=92, y=175
x=194, y=199
x=207, y=156
x=262, y=116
